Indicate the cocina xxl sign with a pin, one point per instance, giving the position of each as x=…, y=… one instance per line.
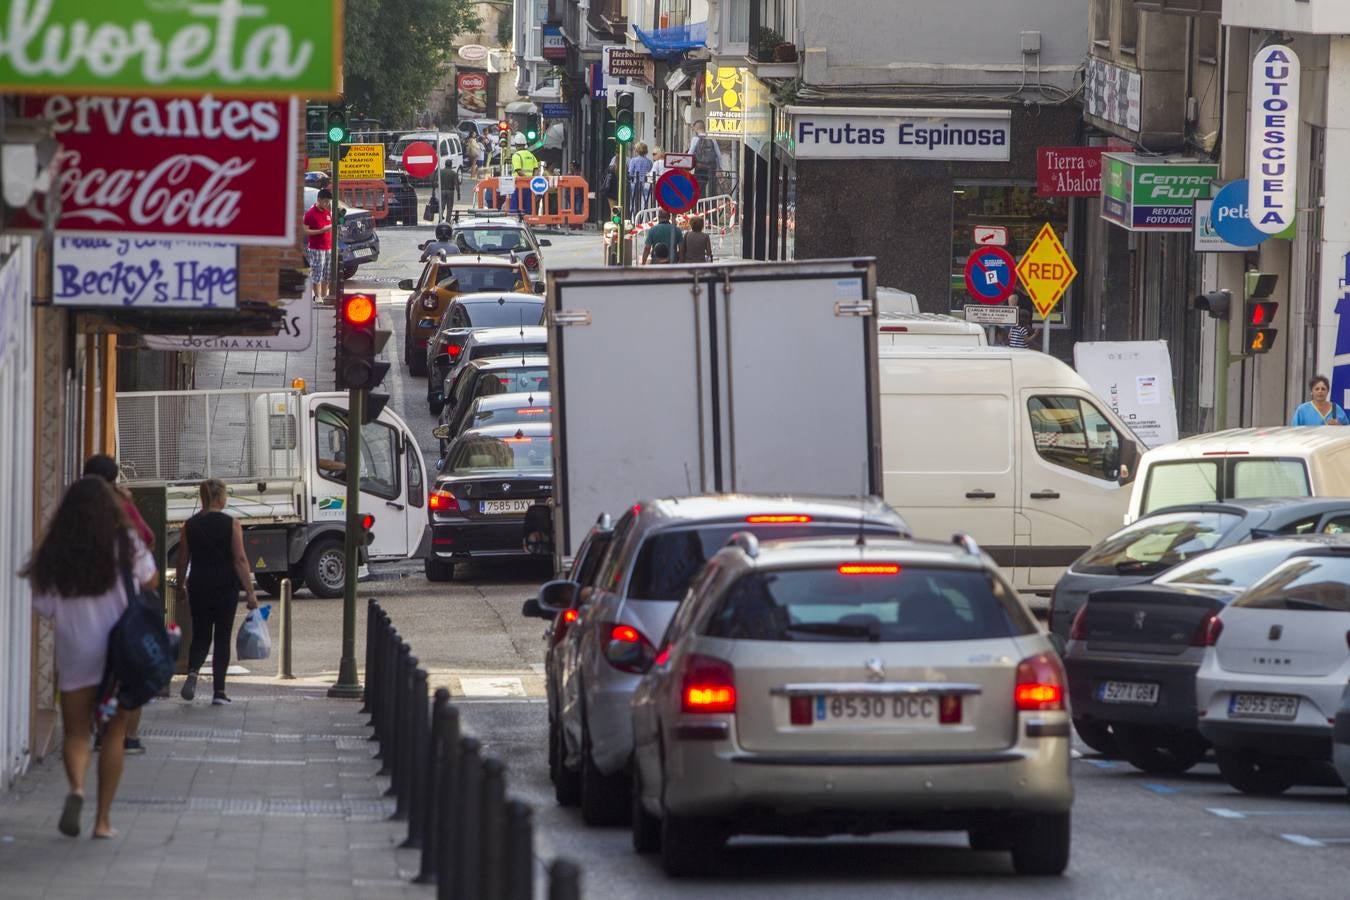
x=183, y=168
x=1272, y=139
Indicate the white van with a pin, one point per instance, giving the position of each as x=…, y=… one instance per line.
x=449, y=147
x=1009, y=446
x=895, y=329
x=1242, y=463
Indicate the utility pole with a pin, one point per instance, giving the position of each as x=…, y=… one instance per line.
x=621, y=173
x=348, y=685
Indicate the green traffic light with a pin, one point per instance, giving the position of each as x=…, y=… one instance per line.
x=615, y=219
x=531, y=135
x=336, y=134
x=624, y=133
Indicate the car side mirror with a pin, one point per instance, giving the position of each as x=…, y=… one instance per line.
x=633, y=656
x=407, y=284
x=441, y=432
x=531, y=609
x=545, y=242
x=556, y=596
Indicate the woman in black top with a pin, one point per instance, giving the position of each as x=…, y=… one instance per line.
x=211, y=553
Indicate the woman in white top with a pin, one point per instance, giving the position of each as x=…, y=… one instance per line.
x=77, y=583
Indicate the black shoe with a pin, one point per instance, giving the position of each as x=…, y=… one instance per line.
x=189, y=686
x=132, y=746
x=220, y=699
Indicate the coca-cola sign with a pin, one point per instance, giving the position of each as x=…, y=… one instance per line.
x=196, y=167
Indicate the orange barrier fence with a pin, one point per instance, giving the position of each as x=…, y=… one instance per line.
x=566, y=202
x=366, y=194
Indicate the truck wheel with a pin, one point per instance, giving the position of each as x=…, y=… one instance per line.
x=325, y=568
x=270, y=583
x=438, y=569
x=1041, y=845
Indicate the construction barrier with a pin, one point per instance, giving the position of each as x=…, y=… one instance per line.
x=721, y=218
x=366, y=194
x=566, y=202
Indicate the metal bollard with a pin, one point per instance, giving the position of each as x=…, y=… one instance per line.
x=418, y=753
x=284, y=658
x=518, y=860
x=435, y=775
x=463, y=873
x=376, y=678
x=492, y=829
x=564, y=880
x=398, y=772
x=371, y=606
x=448, y=802
x=388, y=678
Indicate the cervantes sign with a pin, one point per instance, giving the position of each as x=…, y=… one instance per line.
x=255, y=48
x=182, y=168
x=1069, y=171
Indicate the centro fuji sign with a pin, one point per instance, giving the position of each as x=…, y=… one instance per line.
x=1272, y=139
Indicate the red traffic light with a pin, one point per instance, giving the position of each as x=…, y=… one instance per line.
x=367, y=521
x=503, y=126
x=1261, y=313
x=358, y=309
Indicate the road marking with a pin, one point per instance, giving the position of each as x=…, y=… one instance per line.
x=1159, y=788
x=1225, y=813
x=1302, y=840
x=1101, y=763
x=491, y=687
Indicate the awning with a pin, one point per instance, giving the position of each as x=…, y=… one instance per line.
x=667, y=42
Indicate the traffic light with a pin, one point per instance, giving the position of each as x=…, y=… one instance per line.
x=337, y=124
x=1260, y=312
x=359, y=342
x=532, y=129
x=1217, y=303
x=504, y=131
x=623, y=118
x=367, y=523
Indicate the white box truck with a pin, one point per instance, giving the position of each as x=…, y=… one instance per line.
x=281, y=454
x=676, y=380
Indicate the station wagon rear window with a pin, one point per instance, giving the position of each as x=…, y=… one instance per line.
x=1238, y=566
x=1223, y=478
x=476, y=453
x=512, y=381
x=485, y=351
x=472, y=279
x=825, y=604
x=1304, y=583
x=493, y=240
x=1157, y=543
x=494, y=314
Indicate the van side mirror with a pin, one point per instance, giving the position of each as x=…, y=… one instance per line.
x=407, y=284
x=1129, y=461
x=556, y=596
x=441, y=432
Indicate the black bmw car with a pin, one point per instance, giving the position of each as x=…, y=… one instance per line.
x=478, y=504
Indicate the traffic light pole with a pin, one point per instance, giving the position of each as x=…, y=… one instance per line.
x=335, y=227
x=348, y=686
x=1222, y=360
x=621, y=173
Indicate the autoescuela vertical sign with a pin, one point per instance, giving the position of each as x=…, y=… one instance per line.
x=1272, y=139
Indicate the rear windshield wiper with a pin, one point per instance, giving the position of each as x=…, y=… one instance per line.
x=870, y=632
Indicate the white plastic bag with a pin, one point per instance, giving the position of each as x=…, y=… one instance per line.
x=253, y=640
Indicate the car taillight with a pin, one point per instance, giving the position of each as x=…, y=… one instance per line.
x=868, y=569
x=709, y=685
x=1213, y=627
x=570, y=615
x=626, y=648
x=1040, y=683
x=949, y=709
x=778, y=520
x=531, y=263
x=1078, y=630
x=566, y=619
x=799, y=710
x=454, y=350
x=442, y=501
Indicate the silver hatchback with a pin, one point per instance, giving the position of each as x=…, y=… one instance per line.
x=812, y=687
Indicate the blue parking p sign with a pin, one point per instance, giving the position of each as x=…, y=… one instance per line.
x=991, y=274
x=539, y=184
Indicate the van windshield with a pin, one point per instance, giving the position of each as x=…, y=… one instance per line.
x=1207, y=480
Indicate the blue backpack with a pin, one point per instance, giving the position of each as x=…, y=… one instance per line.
x=141, y=651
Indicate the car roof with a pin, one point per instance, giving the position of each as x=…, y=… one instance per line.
x=715, y=507
x=526, y=429
x=1253, y=441
x=508, y=333
x=811, y=551
x=507, y=362
x=513, y=400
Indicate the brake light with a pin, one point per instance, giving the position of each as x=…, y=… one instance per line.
x=454, y=350
x=869, y=569
x=709, y=686
x=893, y=329
x=1213, y=627
x=778, y=520
x=570, y=615
x=1078, y=630
x=626, y=648
x=799, y=710
x=441, y=501
x=534, y=411
x=1040, y=684
x=566, y=619
x=531, y=263
x=663, y=657
x=517, y=440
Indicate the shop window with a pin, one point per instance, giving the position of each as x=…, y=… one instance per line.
x=1015, y=207
x=1072, y=433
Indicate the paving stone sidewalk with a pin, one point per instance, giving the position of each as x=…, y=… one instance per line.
x=274, y=796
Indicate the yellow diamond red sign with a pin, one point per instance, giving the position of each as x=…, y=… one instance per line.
x=1046, y=271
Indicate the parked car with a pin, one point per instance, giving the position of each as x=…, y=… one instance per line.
x=478, y=343
x=1133, y=652
x=1275, y=669
x=504, y=236
x=658, y=547
x=562, y=602
x=477, y=506
x=1340, y=739
x=358, y=242
x=403, y=205
x=825, y=686
x=485, y=377
x=444, y=278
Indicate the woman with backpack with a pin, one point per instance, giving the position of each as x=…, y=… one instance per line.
x=78, y=572
x=211, y=555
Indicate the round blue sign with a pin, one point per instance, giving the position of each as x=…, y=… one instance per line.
x=539, y=184
x=1228, y=216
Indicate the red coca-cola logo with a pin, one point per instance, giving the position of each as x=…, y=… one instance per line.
x=199, y=167
x=472, y=81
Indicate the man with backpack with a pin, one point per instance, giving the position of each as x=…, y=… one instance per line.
x=707, y=158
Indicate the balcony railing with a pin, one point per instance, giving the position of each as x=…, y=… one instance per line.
x=770, y=32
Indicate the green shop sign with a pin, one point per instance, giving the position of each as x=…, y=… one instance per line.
x=182, y=48
x=1149, y=193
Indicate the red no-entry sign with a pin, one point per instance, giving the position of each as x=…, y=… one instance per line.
x=419, y=159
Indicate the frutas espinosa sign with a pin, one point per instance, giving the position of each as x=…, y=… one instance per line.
x=258, y=48
x=184, y=167
x=878, y=133
x=1272, y=139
